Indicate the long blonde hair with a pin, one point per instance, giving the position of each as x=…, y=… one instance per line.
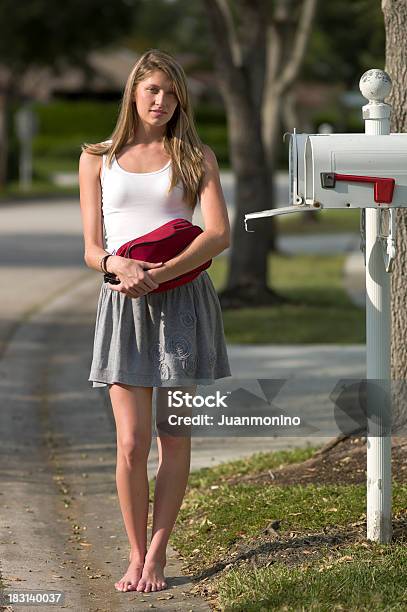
x=181, y=140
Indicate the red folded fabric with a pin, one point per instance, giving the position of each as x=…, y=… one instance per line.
x=162, y=244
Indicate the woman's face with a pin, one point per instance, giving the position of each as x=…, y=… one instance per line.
x=155, y=93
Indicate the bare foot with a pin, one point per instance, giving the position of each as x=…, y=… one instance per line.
x=131, y=578
x=152, y=578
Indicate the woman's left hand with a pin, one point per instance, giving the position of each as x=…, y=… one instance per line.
x=135, y=279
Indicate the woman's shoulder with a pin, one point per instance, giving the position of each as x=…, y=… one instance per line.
x=89, y=159
x=95, y=150
x=93, y=153
x=210, y=161
x=90, y=164
x=209, y=156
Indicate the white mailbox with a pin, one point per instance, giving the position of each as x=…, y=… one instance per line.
x=354, y=171
x=296, y=168
x=366, y=171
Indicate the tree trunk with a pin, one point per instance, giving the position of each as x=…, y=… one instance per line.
x=256, y=64
x=9, y=93
x=247, y=277
x=4, y=102
x=395, y=20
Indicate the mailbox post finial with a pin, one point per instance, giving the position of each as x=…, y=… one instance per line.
x=375, y=85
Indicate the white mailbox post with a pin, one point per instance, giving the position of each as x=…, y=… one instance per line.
x=366, y=171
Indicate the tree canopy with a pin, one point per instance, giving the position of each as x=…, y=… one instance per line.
x=39, y=32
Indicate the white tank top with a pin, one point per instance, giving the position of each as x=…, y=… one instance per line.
x=135, y=203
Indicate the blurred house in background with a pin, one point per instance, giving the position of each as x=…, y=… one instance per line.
x=105, y=73
x=104, y=77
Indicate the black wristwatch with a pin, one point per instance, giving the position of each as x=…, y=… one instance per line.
x=111, y=278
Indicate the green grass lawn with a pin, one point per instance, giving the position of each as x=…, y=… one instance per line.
x=353, y=580
x=65, y=125
x=39, y=189
x=325, y=221
x=322, y=313
x=216, y=518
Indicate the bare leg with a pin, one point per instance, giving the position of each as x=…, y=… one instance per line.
x=132, y=412
x=172, y=477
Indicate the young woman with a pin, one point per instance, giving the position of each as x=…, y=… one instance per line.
x=152, y=170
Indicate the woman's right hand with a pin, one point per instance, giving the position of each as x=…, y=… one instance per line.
x=135, y=280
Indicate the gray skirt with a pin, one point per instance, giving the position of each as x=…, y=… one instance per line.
x=173, y=338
